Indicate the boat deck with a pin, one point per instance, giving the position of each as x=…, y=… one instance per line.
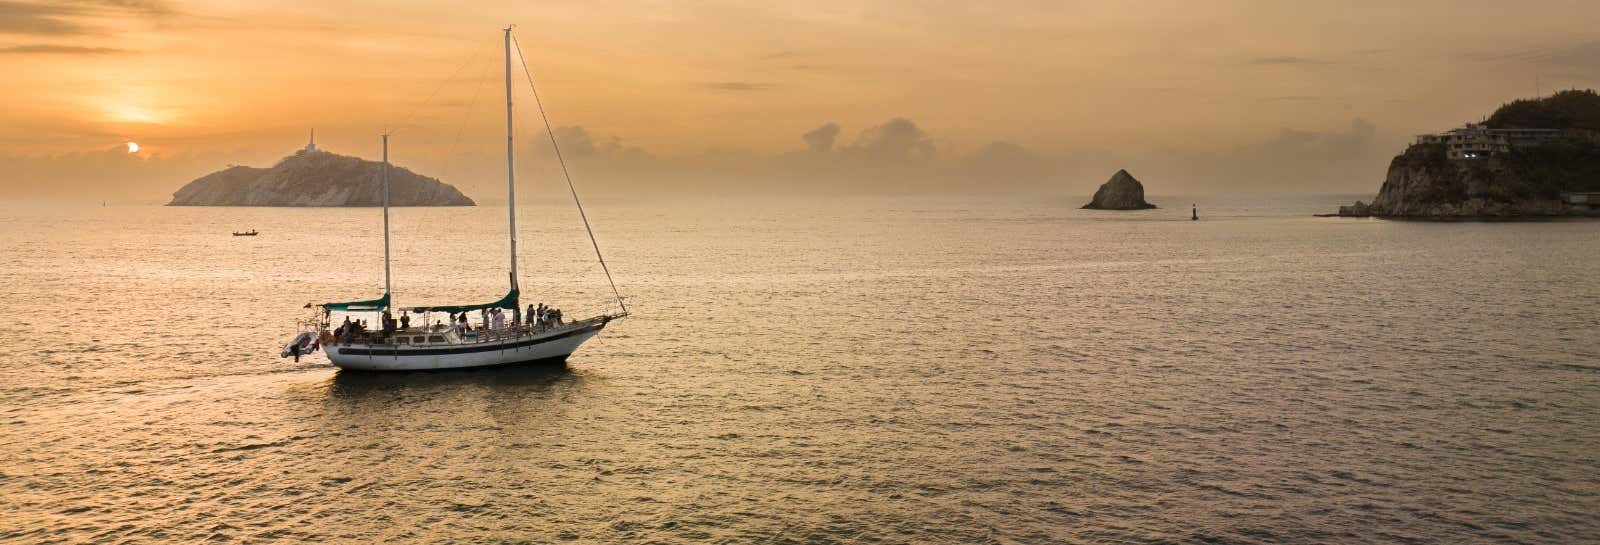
x=446, y=336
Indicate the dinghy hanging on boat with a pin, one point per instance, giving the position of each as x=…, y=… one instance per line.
x=303, y=344
x=393, y=347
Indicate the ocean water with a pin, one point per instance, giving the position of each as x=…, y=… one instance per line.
x=812, y=371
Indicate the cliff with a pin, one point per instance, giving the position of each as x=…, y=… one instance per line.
x=317, y=178
x=1527, y=181
x=1121, y=192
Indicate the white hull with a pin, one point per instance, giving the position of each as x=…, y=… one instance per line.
x=549, y=346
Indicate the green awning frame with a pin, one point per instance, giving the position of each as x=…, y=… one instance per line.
x=509, y=302
x=374, y=305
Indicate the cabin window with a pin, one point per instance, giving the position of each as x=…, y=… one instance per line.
x=436, y=339
x=402, y=340
x=419, y=339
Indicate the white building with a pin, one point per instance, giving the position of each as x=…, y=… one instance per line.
x=1475, y=141
x=1579, y=197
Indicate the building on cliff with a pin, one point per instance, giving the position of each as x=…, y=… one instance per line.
x=1476, y=141
x=1581, y=197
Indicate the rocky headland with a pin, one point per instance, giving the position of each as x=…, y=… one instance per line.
x=314, y=177
x=1121, y=192
x=1527, y=178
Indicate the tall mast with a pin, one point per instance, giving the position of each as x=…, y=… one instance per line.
x=386, y=292
x=511, y=176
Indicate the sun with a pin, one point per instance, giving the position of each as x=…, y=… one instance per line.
x=133, y=147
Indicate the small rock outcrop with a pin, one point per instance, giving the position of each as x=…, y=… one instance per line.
x=1357, y=210
x=1121, y=192
x=317, y=178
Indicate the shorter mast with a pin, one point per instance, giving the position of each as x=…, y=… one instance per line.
x=511, y=188
x=387, y=294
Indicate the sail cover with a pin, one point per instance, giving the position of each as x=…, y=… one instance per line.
x=508, y=302
x=374, y=305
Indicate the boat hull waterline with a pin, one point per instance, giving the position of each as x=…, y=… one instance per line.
x=552, y=346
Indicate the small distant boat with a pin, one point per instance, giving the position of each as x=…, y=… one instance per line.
x=249, y=233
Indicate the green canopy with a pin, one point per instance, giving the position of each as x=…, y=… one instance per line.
x=374, y=305
x=508, y=302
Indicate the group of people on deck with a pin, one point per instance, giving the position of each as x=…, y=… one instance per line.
x=542, y=317
x=391, y=325
x=349, y=328
x=539, y=318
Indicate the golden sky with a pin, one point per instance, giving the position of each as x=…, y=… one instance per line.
x=928, y=96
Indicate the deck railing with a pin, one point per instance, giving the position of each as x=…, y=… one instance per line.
x=476, y=335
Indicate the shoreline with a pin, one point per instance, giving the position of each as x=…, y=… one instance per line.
x=1484, y=219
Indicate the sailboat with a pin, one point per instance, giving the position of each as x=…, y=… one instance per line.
x=457, y=346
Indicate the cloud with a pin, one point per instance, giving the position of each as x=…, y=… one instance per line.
x=63, y=18
x=897, y=140
x=1585, y=55
x=1307, y=145
x=1002, y=164
x=1286, y=61
x=1578, y=54
x=737, y=86
x=49, y=19
x=1348, y=160
x=1572, y=63
x=58, y=50
x=145, y=7
x=899, y=157
x=575, y=140
x=999, y=153
x=820, y=139
x=895, y=157
x=111, y=172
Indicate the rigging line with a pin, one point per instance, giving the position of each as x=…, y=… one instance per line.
x=435, y=92
x=543, y=293
x=567, y=175
x=449, y=158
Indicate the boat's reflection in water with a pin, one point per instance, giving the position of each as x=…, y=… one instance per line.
x=356, y=386
x=396, y=408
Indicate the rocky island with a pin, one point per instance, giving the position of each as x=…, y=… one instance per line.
x=1121, y=192
x=1532, y=158
x=313, y=177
